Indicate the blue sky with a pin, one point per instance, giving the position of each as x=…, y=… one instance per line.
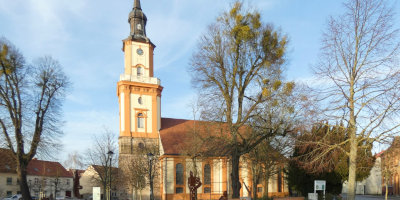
x=85, y=36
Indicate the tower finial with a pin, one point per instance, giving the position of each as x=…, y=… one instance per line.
x=137, y=4
x=137, y=20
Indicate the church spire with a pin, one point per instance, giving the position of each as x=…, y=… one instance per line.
x=137, y=4
x=137, y=20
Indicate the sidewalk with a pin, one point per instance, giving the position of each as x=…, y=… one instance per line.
x=371, y=197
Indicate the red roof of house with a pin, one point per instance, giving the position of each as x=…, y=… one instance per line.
x=35, y=167
x=7, y=161
x=47, y=168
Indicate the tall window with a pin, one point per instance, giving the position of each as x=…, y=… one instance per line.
x=280, y=180
x=140, y=120
x=207, y=174
x=207, y=178
x=179, y=178
x=139, y=71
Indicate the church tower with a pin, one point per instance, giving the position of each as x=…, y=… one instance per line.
x=139, y=92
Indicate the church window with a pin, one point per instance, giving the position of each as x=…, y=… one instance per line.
x=207, y=178
x=207, y=174
x=179, y=190
x=280, y=180
x=139, y=71
x=179, y=174
x=140, y=120
x=140, y=101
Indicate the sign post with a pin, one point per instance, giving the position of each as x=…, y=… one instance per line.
x=96, y=193
x=319, y=185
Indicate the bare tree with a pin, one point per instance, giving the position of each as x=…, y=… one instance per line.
x=268, y=159
x=30, y=107
x=97, y=156
x=74, y=161
x=236, y=67
x=359, y=50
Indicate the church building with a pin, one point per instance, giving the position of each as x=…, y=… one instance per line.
x=139, y=93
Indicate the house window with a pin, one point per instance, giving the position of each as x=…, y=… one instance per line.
x=9, y=181
x=68, y=182
x=9, y=193
x=179, y=178
x=139, y=71
x=140, y=100
x=36, y=181
x=207, y=190
x=140, y=120
x=259, y=189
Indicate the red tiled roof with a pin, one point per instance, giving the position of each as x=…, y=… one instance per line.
x=177, y=134
x=173, y=133
x=7, y=161
x=35, y=167
x=47, y=168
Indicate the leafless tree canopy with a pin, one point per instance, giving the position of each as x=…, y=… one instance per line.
x=359, y=58
x=97, y=156
x=359, y=63
x=30, y=106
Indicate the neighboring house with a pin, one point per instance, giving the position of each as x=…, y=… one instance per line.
x=141, y=124
x=372, y=185
x=44, y=178
x=90, y=178
x=391, y=168
x=8, y=176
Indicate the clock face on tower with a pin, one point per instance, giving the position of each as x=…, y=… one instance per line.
x=139, y=51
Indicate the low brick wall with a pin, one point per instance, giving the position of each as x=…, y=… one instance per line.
x=289, y=198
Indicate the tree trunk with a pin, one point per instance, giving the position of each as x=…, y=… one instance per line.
x=235, y=176
x=387, y=189
x=255, y=177
x=266, y=184
x=23, y=183
x=352, y=169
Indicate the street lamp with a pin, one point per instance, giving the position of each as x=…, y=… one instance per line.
x=110, y=154
x=150, y=157
x=30, y=186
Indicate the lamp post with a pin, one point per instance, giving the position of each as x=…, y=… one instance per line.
x=150, y=157
x=110, y=154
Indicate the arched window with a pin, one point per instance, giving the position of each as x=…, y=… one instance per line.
x=207, y=174
x=139, y=71
x=179, y=174
x=140, y=120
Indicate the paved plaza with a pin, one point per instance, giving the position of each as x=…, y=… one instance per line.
x=372, y=197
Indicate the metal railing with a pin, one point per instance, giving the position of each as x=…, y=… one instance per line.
x=140, y=79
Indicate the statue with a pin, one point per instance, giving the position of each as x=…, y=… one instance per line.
x=194, y=183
